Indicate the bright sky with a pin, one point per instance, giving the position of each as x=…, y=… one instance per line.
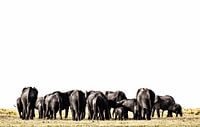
x=100, y=45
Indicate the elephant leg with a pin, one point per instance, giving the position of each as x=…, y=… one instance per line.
x=94, y=117
x=24, y=111
x=95, y=112
x=66, y=112
x=158, y=113
x=139, y=113
x=115, y=116
x=176, y=114
x=148, y=113
x=79, y=115
x=125, y=114
x=46, y=112
x=39, y=112
x=169, y=113
x=118, y=116
x=32, y=112
x=20, y=112
x=121, y=117
x=54, y=114
x=28, y=111
x=109, y=112
x=153, y=111
x=82, y=115
x=90, y=114
x=101, y=114
x=51, y=114
x=143, y=113
x=43, y=112
x=134, y=116
x=107, y=117
x=77, y=118
x=60, y=112
x=77, y=112
x=73, y=114
x=20, y=115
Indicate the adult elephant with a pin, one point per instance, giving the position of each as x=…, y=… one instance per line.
x=52, y=105
x=39, y=105
x=28, y=99
x=77, y=105
x=177, y=109
x=129, y=105
x=145, y=101
x=163, y=103
x=97, y=105
x=64, y=101
x=19, y=106
x=113, y=98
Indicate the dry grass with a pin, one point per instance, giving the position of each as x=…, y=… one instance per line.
x=9, y=117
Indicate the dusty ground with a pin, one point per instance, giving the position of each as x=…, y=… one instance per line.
x=9, y=117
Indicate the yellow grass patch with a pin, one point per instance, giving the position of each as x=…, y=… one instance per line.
x=9, y=117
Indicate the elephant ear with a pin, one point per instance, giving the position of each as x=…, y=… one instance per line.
x=70, y=92
x=24, y=89
x=157, y=99
x=86, y=94
x=106, y=93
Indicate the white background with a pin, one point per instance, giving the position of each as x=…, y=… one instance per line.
x=100, y=45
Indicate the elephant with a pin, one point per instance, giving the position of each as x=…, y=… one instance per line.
x=163, y=103
x=39, y=105
x=177, y=109
x=97, y=105
x=129, y=105
x=118, y=113
x=77, y=105
x=145, y=101
x=19, y=106
x=114, y=97
x=64, y=101
x=28, y=99
x=52, y=105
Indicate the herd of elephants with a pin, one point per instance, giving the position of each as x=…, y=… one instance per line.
x=99, y=104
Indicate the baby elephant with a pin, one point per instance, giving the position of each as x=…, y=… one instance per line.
x=19, y=106
x=118, y=113
x=39, y=105
x=177, y=109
